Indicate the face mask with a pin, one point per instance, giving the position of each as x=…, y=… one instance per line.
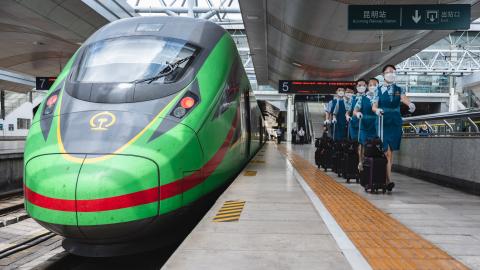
x=341, y=94
x=372, y=88
x=390, y=77
x=370, y=93
x=361, y=89
x=349, y=95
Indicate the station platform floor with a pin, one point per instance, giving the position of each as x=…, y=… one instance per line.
x=293, y=216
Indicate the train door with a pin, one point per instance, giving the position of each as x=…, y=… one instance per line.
x=246, y=120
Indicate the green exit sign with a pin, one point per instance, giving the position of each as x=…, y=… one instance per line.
x=417, y=17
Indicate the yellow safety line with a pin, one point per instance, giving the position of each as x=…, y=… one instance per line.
x=250, y=173
x=230, y=211
x=383, y=241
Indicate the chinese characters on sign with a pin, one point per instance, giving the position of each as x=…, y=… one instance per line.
x=428, y=17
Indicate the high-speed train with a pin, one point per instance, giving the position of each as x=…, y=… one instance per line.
x=148, y=117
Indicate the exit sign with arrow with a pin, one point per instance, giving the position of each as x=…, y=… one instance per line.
x=421, y=17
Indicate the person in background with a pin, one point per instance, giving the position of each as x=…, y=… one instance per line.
x=279, y=135
x=294, y=135
x=366, y=118
x=351, y=118
x=386, y=103
x=328, y=108
x=423, y=130
x=348, y=99
x=301, y=134
x=338, y=115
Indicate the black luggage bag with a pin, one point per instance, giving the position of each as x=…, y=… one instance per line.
x=350, y=165
x=374, y=175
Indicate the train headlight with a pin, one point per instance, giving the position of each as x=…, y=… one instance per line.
x=187, y=103
x=179, y=112
x=50, y=104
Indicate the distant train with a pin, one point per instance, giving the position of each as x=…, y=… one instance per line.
x=149, y=116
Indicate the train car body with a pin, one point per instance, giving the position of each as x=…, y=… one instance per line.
x=116, y=152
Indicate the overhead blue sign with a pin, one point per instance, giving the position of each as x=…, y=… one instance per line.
x=417, y=17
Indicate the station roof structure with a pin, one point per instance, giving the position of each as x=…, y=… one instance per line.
x=311, y=40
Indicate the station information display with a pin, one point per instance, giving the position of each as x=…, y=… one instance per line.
x=312, y=87
x=44, y=83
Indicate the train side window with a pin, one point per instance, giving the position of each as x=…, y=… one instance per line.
x=226, y=100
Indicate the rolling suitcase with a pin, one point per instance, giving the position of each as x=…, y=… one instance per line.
x=350, y=170
x=374, y=175
x=350, y=162
x=326, y=154
x=318, y=152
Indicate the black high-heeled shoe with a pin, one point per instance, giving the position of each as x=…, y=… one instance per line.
x=390, y=186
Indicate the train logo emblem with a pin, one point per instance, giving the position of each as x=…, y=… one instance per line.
x=102, y=121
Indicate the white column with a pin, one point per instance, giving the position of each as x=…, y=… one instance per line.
x=290, y=114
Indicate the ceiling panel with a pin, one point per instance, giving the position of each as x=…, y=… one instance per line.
x=38, y=37
x=285, y=33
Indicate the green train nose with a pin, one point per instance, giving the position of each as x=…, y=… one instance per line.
x=101, y=191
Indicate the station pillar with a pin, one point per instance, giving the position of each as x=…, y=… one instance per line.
x=2, y=104
x=290, y=116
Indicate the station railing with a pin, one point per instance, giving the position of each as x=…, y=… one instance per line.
x=465, y=123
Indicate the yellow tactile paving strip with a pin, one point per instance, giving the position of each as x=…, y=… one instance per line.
x=230, y=211
x=382, y=240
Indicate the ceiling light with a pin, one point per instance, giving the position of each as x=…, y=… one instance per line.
x=335, y=60
x=353, y=60
x=252, y=17
x=38, y=43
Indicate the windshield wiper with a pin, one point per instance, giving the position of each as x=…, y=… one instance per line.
x=169, y=69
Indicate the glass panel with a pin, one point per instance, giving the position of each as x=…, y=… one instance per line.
x=132, y=58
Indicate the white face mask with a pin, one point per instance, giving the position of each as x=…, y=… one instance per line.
x=361, y=89
x=341, y=94
x=389, y=77
x=372, y=88
x=349, y=95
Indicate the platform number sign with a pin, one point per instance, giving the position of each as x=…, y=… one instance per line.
x=44, y=83
x=312, y=87
x=285, y=86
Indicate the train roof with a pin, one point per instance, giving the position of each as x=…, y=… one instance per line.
x=199, y=32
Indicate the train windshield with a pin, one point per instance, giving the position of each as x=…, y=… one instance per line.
x=133, y=59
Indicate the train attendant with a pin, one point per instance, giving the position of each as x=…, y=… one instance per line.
x=367, y=118
x=328, y=108
x=338, y=115
x=352, y=119
x=386, y=103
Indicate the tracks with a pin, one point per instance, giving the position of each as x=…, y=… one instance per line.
x=11, y=202
x=11, y=209
x=25, y=244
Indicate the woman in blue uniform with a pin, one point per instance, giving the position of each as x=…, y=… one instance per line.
x=338, y=111
x=386, y=103
x=367, y=118
x=351, y=118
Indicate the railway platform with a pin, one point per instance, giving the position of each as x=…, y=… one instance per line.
x=283, y=213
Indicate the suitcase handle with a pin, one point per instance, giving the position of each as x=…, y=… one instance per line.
x=334, y=127
x=359, y=128
x=380, y=127
x=348, y=131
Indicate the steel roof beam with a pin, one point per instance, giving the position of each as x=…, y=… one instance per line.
x=16, y=77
